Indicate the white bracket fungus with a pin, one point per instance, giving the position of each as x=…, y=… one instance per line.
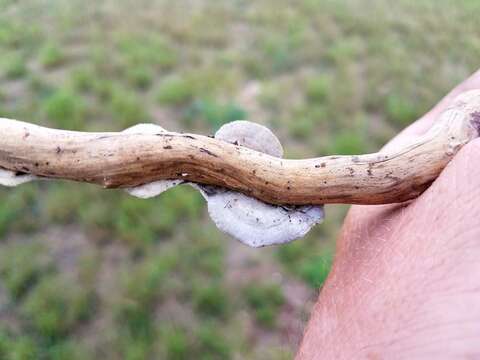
x=258, y=224
x=155, y=188
x=11, y=179
x=247, y=219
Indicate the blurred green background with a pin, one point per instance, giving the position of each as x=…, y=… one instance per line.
x=87, y=273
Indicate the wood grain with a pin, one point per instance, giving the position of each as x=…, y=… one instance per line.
x=116, y=160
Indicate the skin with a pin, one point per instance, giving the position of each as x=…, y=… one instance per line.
x=405, y=283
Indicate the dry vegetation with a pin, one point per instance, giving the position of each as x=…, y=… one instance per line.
x=87, y=273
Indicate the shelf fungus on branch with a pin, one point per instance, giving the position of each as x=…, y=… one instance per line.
x=251, y=221
x=252, y=193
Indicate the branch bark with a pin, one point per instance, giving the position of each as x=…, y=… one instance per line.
x=116, y=160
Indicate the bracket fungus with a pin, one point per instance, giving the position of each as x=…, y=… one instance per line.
x=252, y=193
x=247, y=219
x=14, y=178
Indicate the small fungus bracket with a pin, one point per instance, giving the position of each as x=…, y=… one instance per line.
x=12, y=179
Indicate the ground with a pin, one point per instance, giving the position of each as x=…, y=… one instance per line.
x=92, y=273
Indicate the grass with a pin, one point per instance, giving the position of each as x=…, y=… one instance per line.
x=265, y=300
x=206, y=255
x=14, y=66
x=211, y=300
x=133, y=312
x=211, y=343
x=127, y=109
x=56, y=210
x=401, y=111
x=146, y=49
x=315, y=270
x=140, y=77
x=27, y=347
x=138, y=222
x=23, y=267
x=55, y=306
x=317, y=88
x=18, y=209
x=83, y=80
x=64, y=110
x=51, y=55
x=301, y=128
x=164, y=282
x=215, y=114
x=17, y=347
x=17, y=34
x=348, y=143
x=176, y=344
x=175, y=90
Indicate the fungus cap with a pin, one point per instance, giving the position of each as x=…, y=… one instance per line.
x=250, y=220
x=11, y=179
x=258, y=224
x=249, y=134
x=247, y=219
x=155, y=188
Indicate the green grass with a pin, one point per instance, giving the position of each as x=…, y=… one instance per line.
x=315, y=270
x=22, y=266
x=57, y=210
x=65, y=110
x=14, y=66
x=265, y=300
x=55, y=306
x=312, y=267
x=175, y=90
x=301, y=128
x=211, y=300
x=401, y=111
x=83, y=80
x=139, y=222
x=51, y=55
x=134, y=311
x=67, y=350
x=348, y=143
x=140, y=77
x=127, y=109
x=146, y=49
x=215, y=114
x=317, y=88
x=176, y=344
x=15, y=33
x=17, y=210
x=206, y=254
x=211, y=343
x=14, y=347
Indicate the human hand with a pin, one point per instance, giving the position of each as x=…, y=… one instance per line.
x=406, y=278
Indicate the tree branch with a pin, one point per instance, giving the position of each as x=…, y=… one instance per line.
x=116, y=160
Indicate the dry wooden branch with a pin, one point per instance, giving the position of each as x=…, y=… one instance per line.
x=116, y=160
